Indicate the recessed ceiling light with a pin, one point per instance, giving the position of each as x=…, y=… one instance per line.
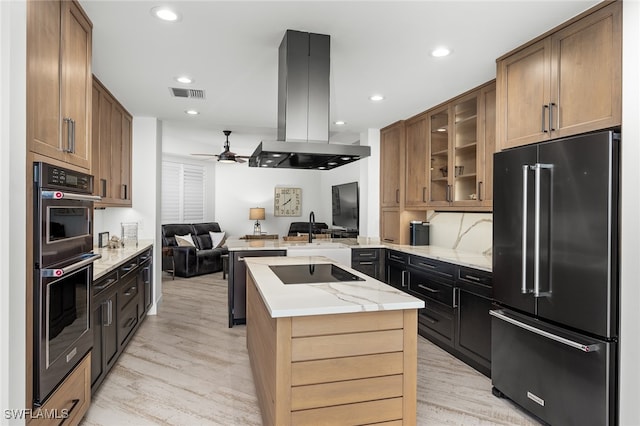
x=439, y=52
x=376, y=98
x=184, y=79
x=165, y=14
x=339, y=123
x=192, y=112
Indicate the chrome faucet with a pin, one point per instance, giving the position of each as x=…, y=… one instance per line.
x=312, y=222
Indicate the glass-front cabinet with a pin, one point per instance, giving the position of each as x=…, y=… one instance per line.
x=458, y=166
x=465, y=150
x=439, y=186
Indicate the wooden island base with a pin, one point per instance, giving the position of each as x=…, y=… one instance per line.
x=354, y=368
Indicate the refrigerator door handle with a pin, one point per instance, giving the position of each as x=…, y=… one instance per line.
x=536, y=243
x=593, y=347
x=525, y=181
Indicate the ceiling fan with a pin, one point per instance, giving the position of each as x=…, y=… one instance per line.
x=226, y=156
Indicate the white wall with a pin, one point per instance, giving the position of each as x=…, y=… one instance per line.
x=145, y=210
x=12, y=209
x=630, y=219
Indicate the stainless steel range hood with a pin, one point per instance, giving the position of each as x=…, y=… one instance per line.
x=303, y=110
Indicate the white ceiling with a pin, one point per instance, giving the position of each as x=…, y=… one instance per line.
x=230, y=49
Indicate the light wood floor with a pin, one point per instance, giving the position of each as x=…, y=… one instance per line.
x=186, y=367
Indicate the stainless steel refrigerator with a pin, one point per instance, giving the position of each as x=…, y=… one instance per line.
x=555, y=278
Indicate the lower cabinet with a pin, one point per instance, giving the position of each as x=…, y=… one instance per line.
x=71, y=399
x=120, y=300
x=237, y=281
x=368, y=261
x=457, y=303
x=396, y=273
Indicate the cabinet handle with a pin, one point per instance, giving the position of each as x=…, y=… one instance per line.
x=389, y=240
x=427, y=265
x=551, y=128
x=106, y=284
x=429, y=289
x=130, y=267
x=131, y=290
x=123, y=191
x=70, y=135
x=544, y=124
x=480, y=185
x=365, y=263
x=424, y=197
x=103, y=188
x=108, y=307
x=471, y=277
x=455, y=303
x=449, y=193
x=366, y=254
x=394, y=257
x=74, y=404
x=397, y=195
x=404, y=283
x=429, y=319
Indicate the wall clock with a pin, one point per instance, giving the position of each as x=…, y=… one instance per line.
x=287, y=202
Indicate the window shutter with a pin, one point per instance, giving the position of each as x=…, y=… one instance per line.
x=182, y=193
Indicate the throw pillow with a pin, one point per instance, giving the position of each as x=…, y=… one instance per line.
x=185, y=240
x=217, y=238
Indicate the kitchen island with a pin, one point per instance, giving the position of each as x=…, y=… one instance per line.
x=341, y=352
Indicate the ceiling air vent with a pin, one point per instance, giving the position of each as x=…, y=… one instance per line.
x=178, y=92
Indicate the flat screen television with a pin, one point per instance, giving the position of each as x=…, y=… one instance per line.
x=345, y=205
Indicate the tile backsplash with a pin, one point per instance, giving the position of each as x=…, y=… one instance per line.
x=471, y=232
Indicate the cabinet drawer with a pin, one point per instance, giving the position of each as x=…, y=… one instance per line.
x=127, y=321
x=104, y=282
x=474, y=276
x=364, y=254
x=437, y=321
x=432, y=287
x=433, y=266
x=72, y=397
x=396, y=256
x=145, y=256
x=128, y=292
x=128, y=267
x=369, y=267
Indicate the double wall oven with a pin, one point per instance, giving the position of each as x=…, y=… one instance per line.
x=63, y=273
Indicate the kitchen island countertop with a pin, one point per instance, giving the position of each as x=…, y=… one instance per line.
x=323, y=298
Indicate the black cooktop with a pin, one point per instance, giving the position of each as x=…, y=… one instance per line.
x=312, y=273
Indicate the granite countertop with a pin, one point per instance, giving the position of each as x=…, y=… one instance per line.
x=112, y=258
x=459, y=257
x=323, y=298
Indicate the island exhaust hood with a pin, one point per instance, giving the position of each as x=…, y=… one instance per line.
x=303, y=110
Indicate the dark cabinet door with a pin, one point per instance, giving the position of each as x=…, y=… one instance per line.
x=473, y=331
x=396, y=273
x=97, y=352
x=144, y=285
x=237, y=293
x=110, y=330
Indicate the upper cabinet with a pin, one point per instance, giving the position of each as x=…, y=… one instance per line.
x=59, y=82
x=449, y=153
x=111, y=143
x=566, y=83
x=391, y=157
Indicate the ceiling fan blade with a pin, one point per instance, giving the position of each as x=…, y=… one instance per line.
x=203, y=155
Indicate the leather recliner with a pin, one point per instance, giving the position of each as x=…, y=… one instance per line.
x=192, y=261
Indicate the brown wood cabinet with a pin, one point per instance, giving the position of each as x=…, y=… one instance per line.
x=59, y=37
x=417, y=165
x=391, y=164
x=112, y=150
x=567, y=82
x=68, y=404
x=449, y=151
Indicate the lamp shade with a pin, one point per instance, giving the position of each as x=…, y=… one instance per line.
x=256, y=213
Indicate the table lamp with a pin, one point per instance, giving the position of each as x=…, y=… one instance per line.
x=257, y=214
